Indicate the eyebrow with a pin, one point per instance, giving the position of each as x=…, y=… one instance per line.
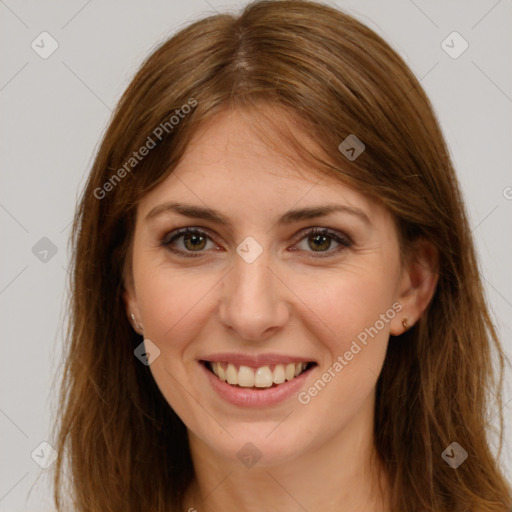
x=291, y=216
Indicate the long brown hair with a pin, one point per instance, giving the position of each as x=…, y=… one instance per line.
x=120, y=445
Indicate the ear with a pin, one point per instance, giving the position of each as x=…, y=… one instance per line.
x=417, y=284
x=130, y=298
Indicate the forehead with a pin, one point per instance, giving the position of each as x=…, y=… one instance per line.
x=228, y=166
x=244, y=143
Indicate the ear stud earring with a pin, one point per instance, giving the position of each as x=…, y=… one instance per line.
x=139, y=327
x=405, y=324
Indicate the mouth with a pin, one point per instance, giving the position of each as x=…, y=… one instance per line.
x=262, y=377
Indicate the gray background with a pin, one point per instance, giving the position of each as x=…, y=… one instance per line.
x=54, y=111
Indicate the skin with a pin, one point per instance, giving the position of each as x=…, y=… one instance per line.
x=317, y=456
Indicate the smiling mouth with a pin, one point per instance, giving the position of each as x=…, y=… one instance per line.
x=240, y=376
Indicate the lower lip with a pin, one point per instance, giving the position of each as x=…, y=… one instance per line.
x=247, y=397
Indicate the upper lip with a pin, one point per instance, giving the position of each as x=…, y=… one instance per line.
x=255, y=361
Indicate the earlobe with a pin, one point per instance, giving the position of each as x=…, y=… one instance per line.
x=138, y=328
x=417, y=286
x=131, y=307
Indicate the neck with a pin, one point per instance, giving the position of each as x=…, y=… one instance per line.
x=341, y=474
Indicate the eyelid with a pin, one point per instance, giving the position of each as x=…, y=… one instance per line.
x=324, y=231
x=175, y=233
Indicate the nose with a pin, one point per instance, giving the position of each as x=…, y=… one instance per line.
x=254, y=302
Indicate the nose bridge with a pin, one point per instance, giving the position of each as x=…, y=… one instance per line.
x=253, y=303
x=253, y=279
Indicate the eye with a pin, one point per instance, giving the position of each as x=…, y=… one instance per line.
x=320, y=240
x=194, y=241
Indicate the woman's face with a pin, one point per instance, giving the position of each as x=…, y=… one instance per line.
x=260, y=292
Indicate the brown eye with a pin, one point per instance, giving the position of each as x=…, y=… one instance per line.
x=194, y=241
x=319, y=240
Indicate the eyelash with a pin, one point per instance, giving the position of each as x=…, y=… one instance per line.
x=343, y=240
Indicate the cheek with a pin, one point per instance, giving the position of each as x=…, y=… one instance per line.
x=350, y=316
x=173, y=305
x=347, y=304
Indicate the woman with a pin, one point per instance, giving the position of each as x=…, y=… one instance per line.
x=275, y=296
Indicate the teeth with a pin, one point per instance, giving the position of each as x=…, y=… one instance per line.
x=246, y=377
x=290, y=371
x=278, y=374
x=221, y=372
x=231, y=374
x=262, y=377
